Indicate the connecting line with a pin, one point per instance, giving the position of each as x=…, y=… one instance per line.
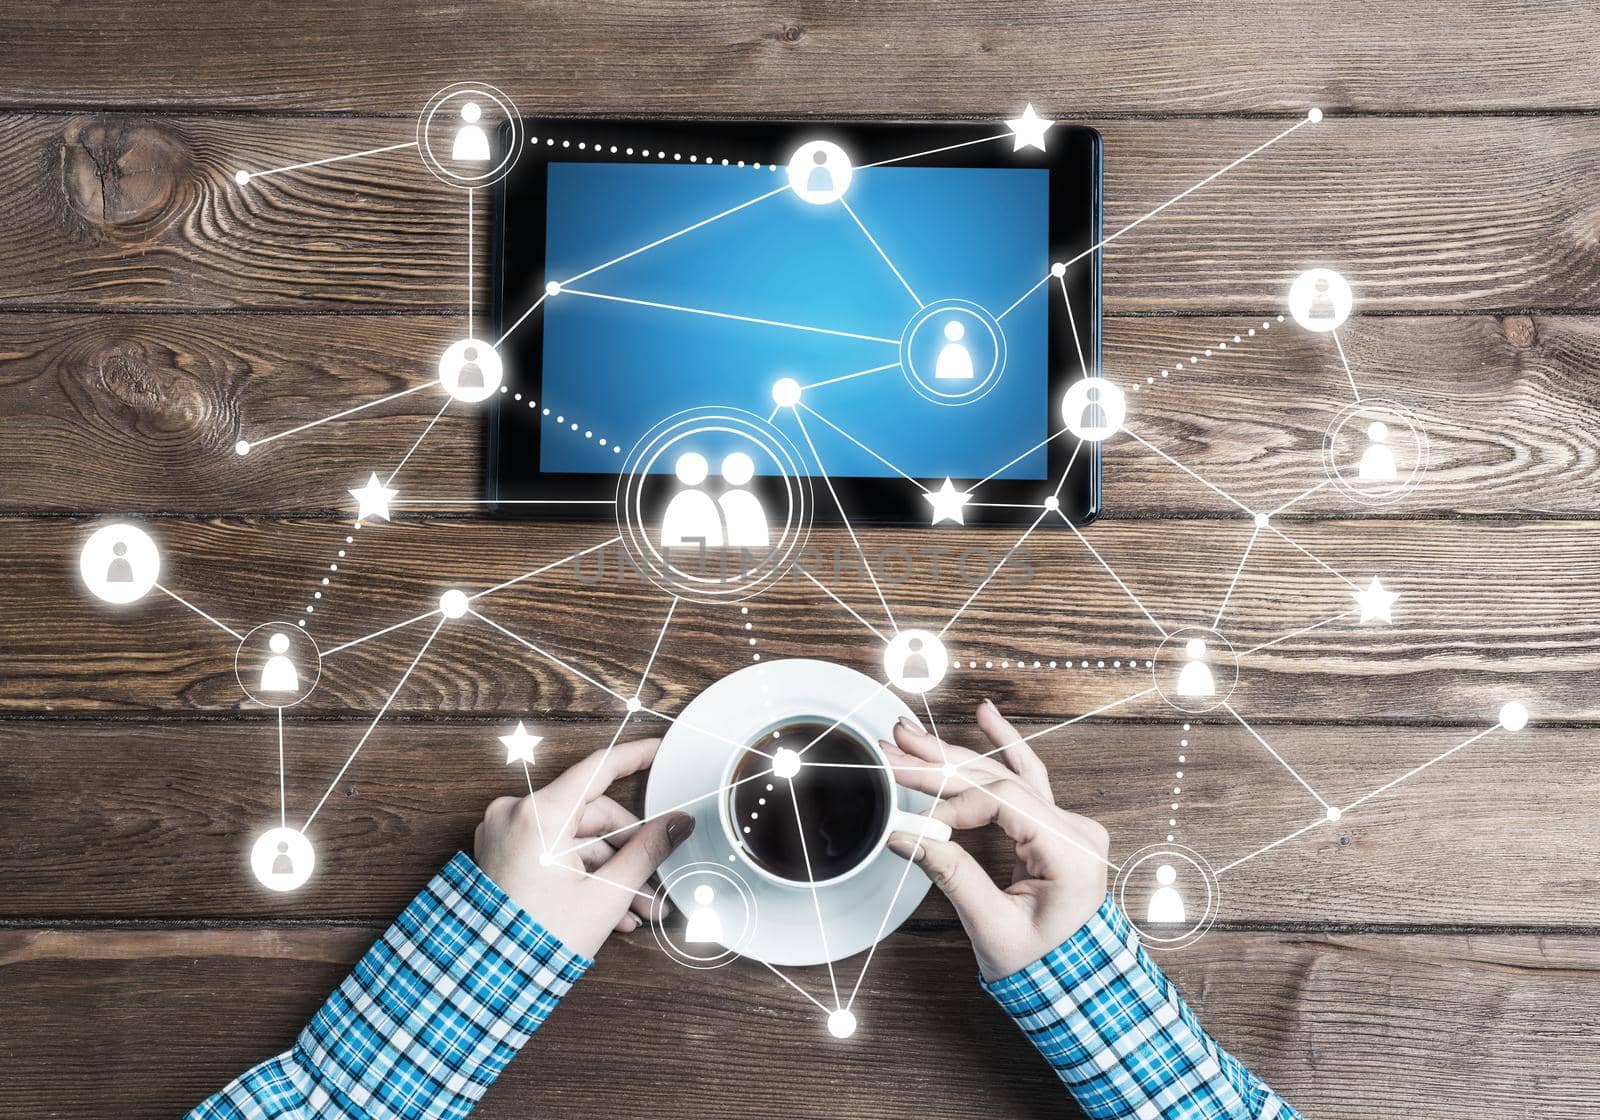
x=220, y=625
x=816, y=899
x=1016, y=303
x=834, y=726
x=599, y=878
x=1208, y=485
x=1237, y=572
x=976, y=591
x=255, y=443
x=706, y=731
x=851, y=611
x=650, y=664
x=419, y=439
x=820, y=1006
x=331, y=159
x=337, y=778
x=1346, y=362
x=1057, y=726
x=905, y=873
x=1300, y=496
x=845, y=377
x=671, y=236
x=535, y=306
x=469, y=262
x=1267, y=848
x=728, y=315
x=502, y=502
x=546, y=654
x=718, y=792
x=1352, y=584
x=283, y=801
x=1415, y=770
x=897, y=274
x=583, y=798
x=538, y=824
x=541, y=570
x=378, y=633
x=871, y=575
x=1066, y=472
x=1072, y=322
x=1297, y=633
x=1126, y=590
x=867, y=449
x=1056, y=832
x=1104, y=241
x=936, y=151
x=1049, y=439
x=1281, y=761
x=1362, y=800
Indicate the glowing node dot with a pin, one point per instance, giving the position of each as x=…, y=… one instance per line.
x=553, y=288
x=1052, y=502
x=546, y=859
x=841, y=1023
x=949, y=770
x=786, y=763
x=1261, y=521
x=1513, y=716
x=1058, y=269
x=1314, y=116
x=241, y=177
x=1334, y=813
x=242, y=447
x=634, y=704
x=786, y=392
x=453, y=603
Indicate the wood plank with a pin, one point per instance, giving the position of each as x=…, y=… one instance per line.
x=1486, y=213
x=1316, y=1016
x=1490, y=611
x=747, y=57
x=148, y=409
x=153, y=819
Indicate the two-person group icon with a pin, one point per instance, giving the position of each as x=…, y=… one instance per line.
x=735, y=518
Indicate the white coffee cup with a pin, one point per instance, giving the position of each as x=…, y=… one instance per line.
x=896, y=819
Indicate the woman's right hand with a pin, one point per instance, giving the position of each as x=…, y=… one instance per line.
x=1059, y=878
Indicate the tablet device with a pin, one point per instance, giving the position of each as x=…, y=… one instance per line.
x=899, y=275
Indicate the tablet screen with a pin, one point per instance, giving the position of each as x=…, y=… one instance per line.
x=901, y=285
x=806, y=296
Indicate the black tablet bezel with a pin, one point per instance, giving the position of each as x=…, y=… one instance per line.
x=1074, y=157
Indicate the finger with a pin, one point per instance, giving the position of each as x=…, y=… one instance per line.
x=651, y=843
x=603, y=815
x=1017, y=752
x=914, y=773
x=953, y=871
x=919, y=744
x=628, y=922
x=595, y=854
x=501, y=808
x=1051, y=836
x=586, y=780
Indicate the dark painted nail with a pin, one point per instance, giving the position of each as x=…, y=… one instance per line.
x=679, y=828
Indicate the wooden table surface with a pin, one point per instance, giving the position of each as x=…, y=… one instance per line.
x=1436, y=954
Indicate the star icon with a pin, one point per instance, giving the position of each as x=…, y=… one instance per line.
x=1376, y=603
x=374, y=498
x=519, y=744
x=947, y=503
x=1029, y=130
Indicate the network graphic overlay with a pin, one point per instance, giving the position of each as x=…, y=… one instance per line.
x=951, y=352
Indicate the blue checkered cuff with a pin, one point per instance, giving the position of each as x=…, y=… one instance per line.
x=428, y=1019
x=1120, y=1036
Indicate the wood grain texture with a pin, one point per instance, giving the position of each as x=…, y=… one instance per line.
x=143, y=412
x=1490, y=611
x=123, y=211
x=967, y=57
x=153, y=819
x=735, y=1041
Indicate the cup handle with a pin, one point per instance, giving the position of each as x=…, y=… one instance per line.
x=918, y=824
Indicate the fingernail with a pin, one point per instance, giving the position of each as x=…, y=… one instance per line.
x=905, y=847
x=679, y=827
x=988, y=703
x=905, y=721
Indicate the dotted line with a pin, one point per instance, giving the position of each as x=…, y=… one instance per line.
x=1215, y=349
x=1177, y=790
x=749, y=626
x=1068, y=663
x=647, y=153
x=571, y=425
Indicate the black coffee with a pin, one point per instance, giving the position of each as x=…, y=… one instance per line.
x=843, y=795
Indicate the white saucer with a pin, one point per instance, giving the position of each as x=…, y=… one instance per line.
x=690, y=765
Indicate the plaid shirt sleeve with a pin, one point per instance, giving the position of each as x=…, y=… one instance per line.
x=428, y=1019
x=1120, y=1036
